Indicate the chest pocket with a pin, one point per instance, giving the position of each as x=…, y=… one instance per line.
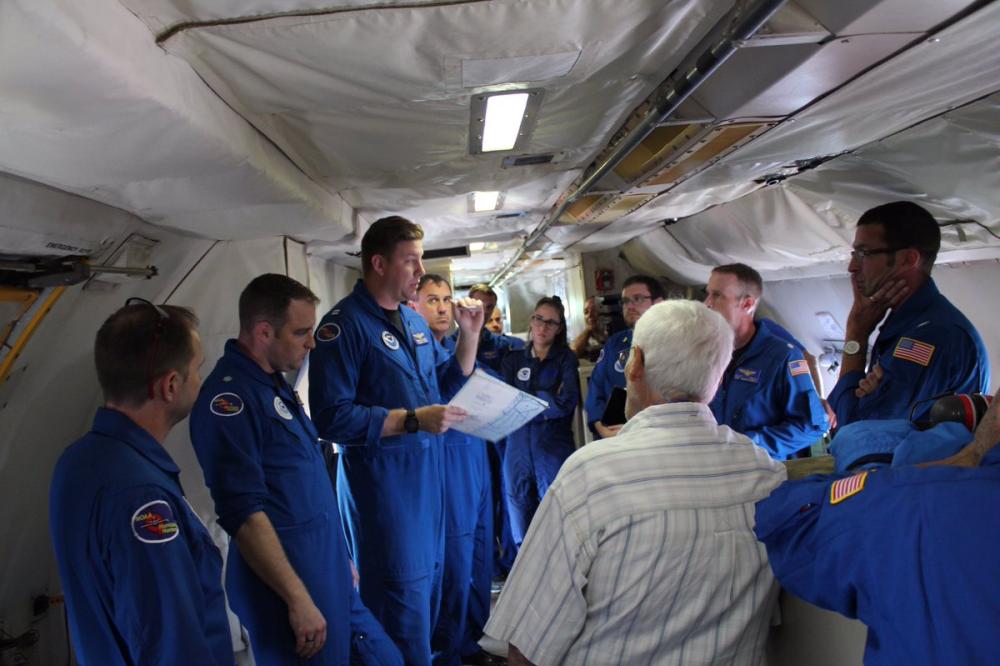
x=289, y=444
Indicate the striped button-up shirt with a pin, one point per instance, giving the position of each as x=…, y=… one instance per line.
x=643, y=551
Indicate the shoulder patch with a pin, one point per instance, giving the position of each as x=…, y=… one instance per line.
x=327, y=332
x=390, y=341
x=282, y=409
x=844, y=488
x=524, y=374
x=226, y=404
x=747, y=375
x=916, y=351
x=799, y=367
x=154, y=522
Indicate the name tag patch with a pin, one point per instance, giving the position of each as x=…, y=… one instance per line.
x=154, y=523
x=747, y=375
x=916, y=351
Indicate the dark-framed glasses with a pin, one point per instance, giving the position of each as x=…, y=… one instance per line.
x=538, y=320
x=636, y=300
x=861, y=253
x=161, y=322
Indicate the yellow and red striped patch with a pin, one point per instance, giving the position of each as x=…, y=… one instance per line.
x=844, y=488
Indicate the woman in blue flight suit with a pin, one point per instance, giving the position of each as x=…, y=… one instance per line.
x=547, y=369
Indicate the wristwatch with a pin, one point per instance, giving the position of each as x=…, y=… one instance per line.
x=411, y=424
x=852, y=347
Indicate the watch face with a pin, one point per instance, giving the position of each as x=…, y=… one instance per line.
x=411, y=424
x=852, y=347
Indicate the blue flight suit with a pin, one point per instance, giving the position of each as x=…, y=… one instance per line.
x=768, y=395
x=260, y=452
x=536, y=450
x=141, y=575
x=912, y=554
x=468, y=551
x=391, y=489
x=778, y=331
x=608, y=373
x=927, y=348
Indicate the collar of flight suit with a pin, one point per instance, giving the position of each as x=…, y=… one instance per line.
x=116, y=425
x=912, y=308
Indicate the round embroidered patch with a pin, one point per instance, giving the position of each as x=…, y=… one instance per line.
x=600, y=357
x=390, y=341
x=327, y=332
x=524, y=374
x=154, y=522
x=618, y=366
x=226, y=404
x=282, y=409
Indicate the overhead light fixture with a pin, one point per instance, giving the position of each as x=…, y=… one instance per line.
x=502, y=121
x=477, y=246
x=483, y=202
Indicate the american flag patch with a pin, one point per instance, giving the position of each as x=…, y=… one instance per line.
x=844, y=488
x=799, y=367
x=909, y=349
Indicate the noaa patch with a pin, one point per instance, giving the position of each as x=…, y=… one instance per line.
x=154, y=522
x=747, y=375
x=420, y=338
x=618, y=365
x=282, y=409
x=390, y=341
x=327, y=332
x=226, y=404
x=600, y=357
x=524, y=374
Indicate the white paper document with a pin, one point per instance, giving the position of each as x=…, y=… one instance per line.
x=495, y=408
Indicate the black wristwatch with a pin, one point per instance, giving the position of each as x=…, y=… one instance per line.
x=411, y=424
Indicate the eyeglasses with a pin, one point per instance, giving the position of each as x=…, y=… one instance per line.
x=860, y=254
x=636, y=300
x=157, y=333
x=538, y=320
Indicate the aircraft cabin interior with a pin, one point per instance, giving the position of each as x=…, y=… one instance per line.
x=173, y=150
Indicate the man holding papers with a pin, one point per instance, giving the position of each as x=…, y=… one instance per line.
x=375, y=382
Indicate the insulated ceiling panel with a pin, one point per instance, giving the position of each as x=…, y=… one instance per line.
x=374, y=101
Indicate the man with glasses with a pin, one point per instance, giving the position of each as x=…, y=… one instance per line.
x=926, y=348
x=639, y=293
x=767, y=392
x=288, y=573
x=141, y=575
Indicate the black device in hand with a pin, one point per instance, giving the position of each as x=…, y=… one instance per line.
x=614, y=411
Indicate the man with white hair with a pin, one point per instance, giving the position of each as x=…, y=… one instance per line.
x=642, y=550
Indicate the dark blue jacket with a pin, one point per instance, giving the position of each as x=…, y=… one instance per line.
x=768, y=395
x=927, y=348
x=141, y=575
x=556, y=380
x=492, y=349
x=911, y=553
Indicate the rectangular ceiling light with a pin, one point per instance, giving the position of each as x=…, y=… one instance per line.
x=502, y=121
x=504, y=114
x=481, y=202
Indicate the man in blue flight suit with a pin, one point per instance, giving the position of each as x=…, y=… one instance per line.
x=639, y=293
x=468, y=556
x=900, y=550
x=288, y=573
x=376, y=379
x=492, y=346
x=926, y=348
x=767, y=392
x=141, y=575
